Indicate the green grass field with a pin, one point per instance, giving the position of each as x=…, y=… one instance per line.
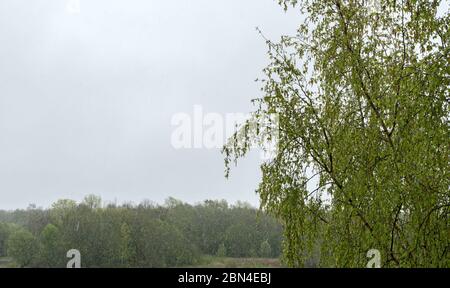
x=6, y=262
x=227, y=262
x=206, y=262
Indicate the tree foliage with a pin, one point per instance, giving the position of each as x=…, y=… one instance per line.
x=362, y=95
x=51, y=252
x=145, y=235
x=22, y=246
x=265, y=249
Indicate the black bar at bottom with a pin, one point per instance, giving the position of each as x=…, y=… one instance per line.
x=234, y=277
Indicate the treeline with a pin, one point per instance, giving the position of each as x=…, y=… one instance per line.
x=144, y=235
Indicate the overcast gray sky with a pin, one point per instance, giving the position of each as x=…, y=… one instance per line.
x=86, y=99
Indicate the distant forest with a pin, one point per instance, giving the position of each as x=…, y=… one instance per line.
x=144, y=235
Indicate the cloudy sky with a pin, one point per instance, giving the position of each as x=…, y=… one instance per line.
x=86, y=99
